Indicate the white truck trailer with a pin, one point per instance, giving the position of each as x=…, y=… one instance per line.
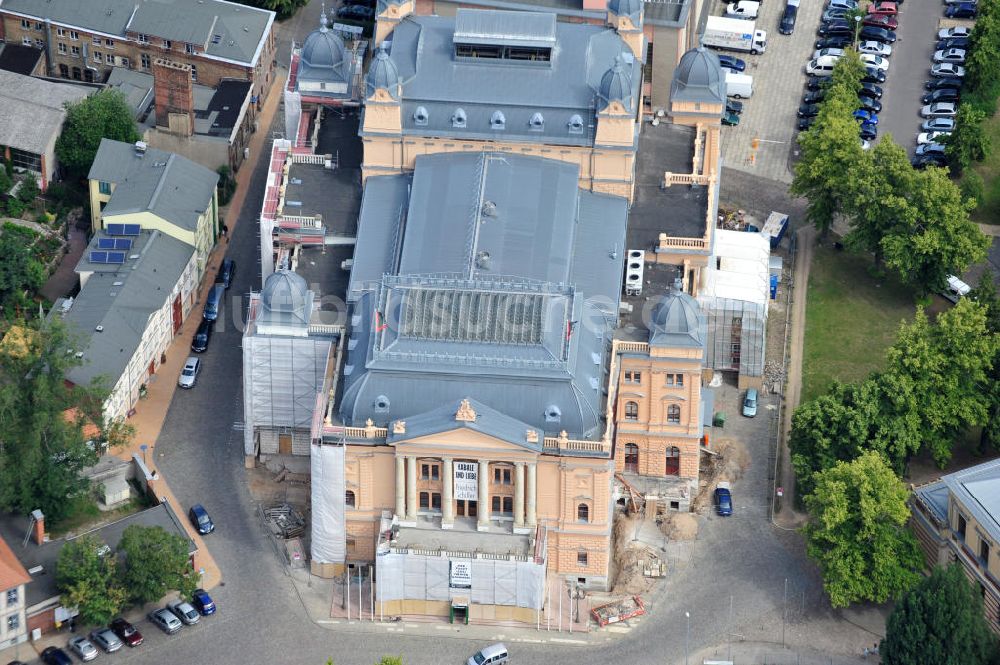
x=734, y=34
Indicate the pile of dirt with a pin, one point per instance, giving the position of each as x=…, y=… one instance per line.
x=630, y=557
x=679, y=526
x=729, y=464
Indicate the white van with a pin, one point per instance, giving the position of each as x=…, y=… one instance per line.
x=738, y=85
x=492, y=655
x=956, y=289
x=822, y=66
x=747, y=9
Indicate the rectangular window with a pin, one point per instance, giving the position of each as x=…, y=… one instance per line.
x=109, y=58
x=144, y=59
x=26, y=41
x=110, y=43
x=189, y=48
x=124, y=62
x=61, y=47
x=194, y=73
x=425, y=500
x=501, y=476
x=40, y=43
x=495, y=504
x=984, y=552
x=142, y=39
x=961, y=526
x=508, y=505
x=39, y=25
x=167, y=44
x=581, y=558
x=74, y=51
x=11, y=597
x=97, y=56
x=425, y=471
x=26, y=24
x=633, y=377
x=13, y=621
x=64, y=71
x=435, y=501
x=61, y=32
x=96, y=40
x=73, y=34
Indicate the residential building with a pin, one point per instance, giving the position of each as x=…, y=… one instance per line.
x=217, y=39
x=515, y=82
x=957, y=519
x=136, y=288
x=32, y=112
x=155, y=190
x=209, y=126
x=13, y=600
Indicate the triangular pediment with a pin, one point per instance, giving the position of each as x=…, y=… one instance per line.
x=467, y=423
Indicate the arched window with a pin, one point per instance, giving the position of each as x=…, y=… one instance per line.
x=497, y=120
x=458, y=118
x=631, y=458
x=673, y=467
x=420, y=116
x=349, y=500
x=583, y=513
x=674, y=414
x=537, y=122
x=575, y=124
x=631, y=411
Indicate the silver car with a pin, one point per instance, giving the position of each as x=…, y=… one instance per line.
x=189, y=375
x=184, y=611
x=939, y=110
x=106, y=639
x=165, y=620
x=82, y=647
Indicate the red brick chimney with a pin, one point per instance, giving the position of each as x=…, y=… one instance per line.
x=38, y=531
x=173, y=91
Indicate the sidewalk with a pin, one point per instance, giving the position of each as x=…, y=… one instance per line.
x=152, y=410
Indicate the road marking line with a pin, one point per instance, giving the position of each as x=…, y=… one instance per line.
x=566, y=641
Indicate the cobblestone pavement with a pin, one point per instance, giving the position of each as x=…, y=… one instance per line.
x=777, y=80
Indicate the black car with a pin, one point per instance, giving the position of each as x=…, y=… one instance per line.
x=805, y=123
x=876, y=34
x=923, y=161
x=867, y=131
x=873, y=75
x=55, y=656
x=200, y=519
x=734, y=106
x=835, y=29
x=842, y=41
x=357, y=12
x=870, y=90
x=226, y=273
x=942, y=95
x=808, y=110
x=952, y=42
x=814, y=96
x=869, y=104
x=964, y=10
x=202, y=336
x=817, y=82
x=786, y=25
x=943, y=83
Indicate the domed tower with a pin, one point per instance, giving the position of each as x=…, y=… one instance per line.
x=388, y=14
x=698, y=89
x=616, y=105
x=286, y=305
x=677, y=323
x=383, y=91
x=324, y=62
x=626, y=17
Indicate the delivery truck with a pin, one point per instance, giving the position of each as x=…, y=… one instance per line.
x=734, y=34
x=738, y=85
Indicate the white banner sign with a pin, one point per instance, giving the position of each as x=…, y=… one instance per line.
x=467, y=481
x=461, y=574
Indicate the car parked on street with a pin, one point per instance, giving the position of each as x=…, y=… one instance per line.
x=942, y=83
x=952, y=42
x=870, y=90
x=165, y=620
x=954, y=31
x=877, y=34
x=939, y=110
x=126, y=631
x=495, y=653
x=867, y=131
x=786, y=25
x=964, y=10
x=750, y=403
x=200, y=519
x=862, y=115
x=814, y=97
x=955, y=55
x=923, y=161
x=931, y=148
x=875, y=48
x=949, y=69
x=203, y=602
x=734, y=106
x=840, y=42
x=808, y=110
x=55, y=656
x=832, y=52
x=869, y=104
x=202, y=336
x=880, y=21
x=806, y=123
x=82, y=647
x=876, y=61
x=816, y=82
x=228, y=269
x=106, y=639
x=938, y=125
x=357, y=12
x=723, y=499
x=730, y=119
x=873, y=75
x=184, y=611
x=732, y=63
x=843, y=4
x=834, y=14
x=931, y=137
x=835, y=29
x=943, y=95
x=189, y=375
x=883, y=8
x=747, y=9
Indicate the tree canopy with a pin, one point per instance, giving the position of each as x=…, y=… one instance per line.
x=86, y=576
x=858, y=535
x=103, y=115
x=155, y=562
x=939, y=622
x=20, y=271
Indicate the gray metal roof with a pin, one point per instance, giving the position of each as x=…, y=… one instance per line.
x=474, y=26
x=437, y=82
x=488, y=421
x=324, y=57
x=285, y=301
x=170, y=186
x=241, y=29
x=135, y=86
x=121, y=298
x=977, y=489
x=677, y=321
x=498, y=279
x=32, y=110
x=699, y=78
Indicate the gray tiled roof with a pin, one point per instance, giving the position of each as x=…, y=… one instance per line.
x=121, y=298
x=241, y=28
x=32, y=110
x=699, y=78
x=168, y=185
x=439, y=83
x=554, y=267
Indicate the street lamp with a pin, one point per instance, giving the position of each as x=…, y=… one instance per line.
x=687, y=638
x=857, y=27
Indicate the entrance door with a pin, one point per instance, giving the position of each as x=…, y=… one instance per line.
x=284, y=444
x=465, y=508
x=177, y=314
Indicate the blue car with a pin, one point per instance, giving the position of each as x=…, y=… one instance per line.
x=200, y=519
x=964, y=10
x=733, y=63
x=203, y=602
x=723, y=500
x=864, y=116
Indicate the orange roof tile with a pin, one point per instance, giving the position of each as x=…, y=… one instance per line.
x=12, y=573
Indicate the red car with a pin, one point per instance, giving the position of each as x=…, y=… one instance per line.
x=883, y=9
x=881, y=21
x=127, y=632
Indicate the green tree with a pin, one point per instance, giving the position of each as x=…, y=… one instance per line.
x=156, y=562
x=857, y=533
x=103, y=115
x=939, y=622
x=41, y=451
x=882, y=203
x=986, y=295
x=20, y=271
x=982, y=64
x=969, y=142
x=86, y=576
x=283, y=8
x=29, y=190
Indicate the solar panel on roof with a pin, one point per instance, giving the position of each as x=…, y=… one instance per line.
x=105, y=243
x=123, y=243
x=131, y=229
x=115, y=229
x=116, y=257
x=98, y=257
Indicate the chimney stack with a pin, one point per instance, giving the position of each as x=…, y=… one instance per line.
x=38, y=532
x=173, y=91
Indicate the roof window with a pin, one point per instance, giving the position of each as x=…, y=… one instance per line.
x=537, y=122
x=458, y=118
x=498, y=121
x=575, y=124
x=420, y=116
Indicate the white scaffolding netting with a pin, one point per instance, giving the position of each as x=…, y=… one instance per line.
x=329, y=542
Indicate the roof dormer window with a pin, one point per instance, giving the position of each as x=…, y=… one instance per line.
x=575, y=124
x=458, y=118
x=498, y=121
x=537, y=122
x=420, y=116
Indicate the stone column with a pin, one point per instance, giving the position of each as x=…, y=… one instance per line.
x=483, y=523
x=532, y=518
x=400, y=487
x=448, y=495
x=411, y=489
x=518, y=495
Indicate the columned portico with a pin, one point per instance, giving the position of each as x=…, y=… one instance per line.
x=519, y=495
x=411, y=489
x=532, y=517
x=484, y=496
x=448, y=498
x=400, y=487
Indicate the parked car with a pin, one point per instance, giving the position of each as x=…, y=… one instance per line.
x=870, y=90
x=841, y=41
x=943, y=95
x=867, y=131
x=964, y=10
x=200, y=519
x=862, y=115
x=127, y=632
x=495, y=653
x=189, y=375
x=959, y=2
x=203, y=602
x=938, y=125
x=931, y=137
x=228, y=268
x=357, y=12
x=877, y=34
x=835, y=29
x=747, y=9
x=723, y=500
x=55, y=656
x=942, y=83
x=939, y=110
x=82, y=647
x=165, y=620
x=816, y=82
x=948, y=69
x=886, y=8
x=834, y=14
x=931, y=148
x=750, y=403
x=733, y=63
x=214, y=302
x=806, y=123
x=822, y=66
x=953, y=42
x=869, y=104
x=843, y=4
x=873, y=75
x=808, y=110
x=106, y=639
x=184, y=611
x=880, y=21
x=786, y=25
x=832, y=52
x=923, y=161
x=814, y=97
x=876, y=61
x=730, y=119
x=875, y=48
x=202, y=336
x=955, y=55
x=734, y=106
x=955, y=31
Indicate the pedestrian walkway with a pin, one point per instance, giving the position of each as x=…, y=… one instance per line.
x=64, y=279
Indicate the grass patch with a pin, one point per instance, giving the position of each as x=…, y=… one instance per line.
x=82, y=510
x=988, y=211
x=851, y=318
